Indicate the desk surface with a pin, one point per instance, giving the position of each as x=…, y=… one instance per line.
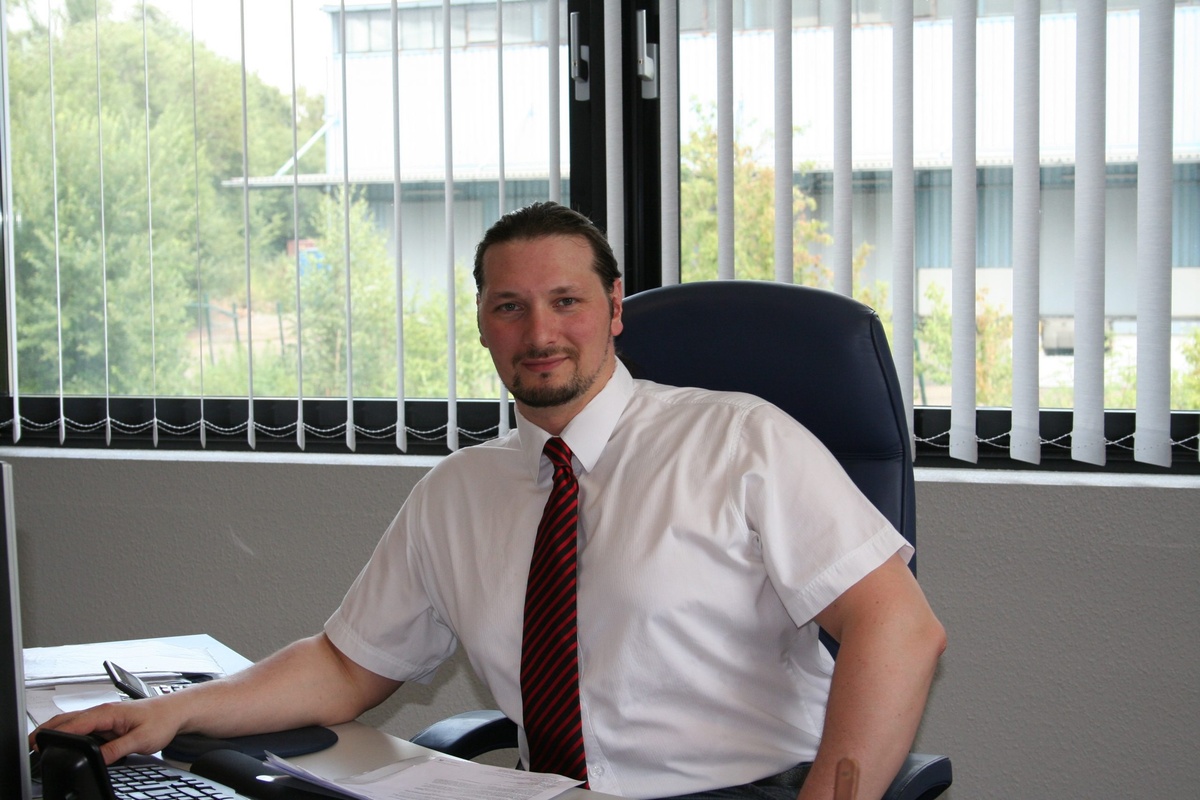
x=360, y=748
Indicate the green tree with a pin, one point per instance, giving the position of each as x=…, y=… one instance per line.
x=754, y=188
x=84, y=256
x=754, y=221
x=426, y=362
x=993, y=348
x=1185, y=393
x=373, y=332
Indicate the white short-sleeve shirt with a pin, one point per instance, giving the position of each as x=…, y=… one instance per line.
x=713, y=528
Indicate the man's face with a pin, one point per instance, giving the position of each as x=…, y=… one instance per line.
x=549, y=324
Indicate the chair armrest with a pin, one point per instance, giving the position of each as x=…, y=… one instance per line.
x=922, y=777
x=470, y=734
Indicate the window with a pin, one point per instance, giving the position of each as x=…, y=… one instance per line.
x=189, y=245
x=472, y=24
x=143, y=297
x=956, y=244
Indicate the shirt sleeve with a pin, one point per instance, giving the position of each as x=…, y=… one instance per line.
x=386, y=622
x=819, y=534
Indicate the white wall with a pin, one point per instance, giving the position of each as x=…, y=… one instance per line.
x=1074, y=660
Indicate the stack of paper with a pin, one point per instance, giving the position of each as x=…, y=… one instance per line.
x=53, y=666
x=439, y=778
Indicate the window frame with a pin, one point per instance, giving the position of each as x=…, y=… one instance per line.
x=325, y=419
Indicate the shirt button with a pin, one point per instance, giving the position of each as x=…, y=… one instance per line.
x=596, y=770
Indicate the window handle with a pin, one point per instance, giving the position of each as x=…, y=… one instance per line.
x=647, y=60
x=579, y=61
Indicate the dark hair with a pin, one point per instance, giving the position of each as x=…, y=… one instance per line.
x=549, y=219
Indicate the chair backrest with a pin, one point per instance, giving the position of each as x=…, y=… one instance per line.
x=818, y=355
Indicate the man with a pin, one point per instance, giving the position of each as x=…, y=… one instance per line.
x=714, y=535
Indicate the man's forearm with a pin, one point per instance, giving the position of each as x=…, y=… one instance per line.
x=890, y=642
x=880, y=686
x=307, y=683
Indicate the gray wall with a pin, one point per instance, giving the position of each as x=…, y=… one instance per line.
x=1074, y=662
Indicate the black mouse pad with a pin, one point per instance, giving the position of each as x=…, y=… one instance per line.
x=187, y=747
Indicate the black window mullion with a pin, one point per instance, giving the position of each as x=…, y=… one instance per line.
x=586, y=116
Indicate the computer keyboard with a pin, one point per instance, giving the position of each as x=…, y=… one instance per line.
x=151, y=782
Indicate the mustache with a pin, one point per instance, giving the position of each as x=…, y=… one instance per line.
x=548, y=352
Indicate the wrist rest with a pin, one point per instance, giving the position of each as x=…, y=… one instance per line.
x=252, y=778
x=188, y=747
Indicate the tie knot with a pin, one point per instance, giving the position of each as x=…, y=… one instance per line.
x=558, y=453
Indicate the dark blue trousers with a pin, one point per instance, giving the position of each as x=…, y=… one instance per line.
x=748, y=792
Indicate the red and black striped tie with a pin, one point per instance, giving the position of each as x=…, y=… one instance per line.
x=549, y=649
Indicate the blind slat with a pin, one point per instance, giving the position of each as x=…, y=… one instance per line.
x=501, y=198
x=350, y=429
x=451, y=338
x=57, y=235
x=963, y=442
x=903, y=201
x=1152, y=442
x=199, y=239
x=782, y=29
x=149, y=233
x=1087, y=437
x=397, y=195
x=843, y=178
x=6, y=221
x=103, y=240
x=1026, y=430
x=668, y=88
x=300, y=430
x=251, y=427
x=782, y=24
x=725, y=143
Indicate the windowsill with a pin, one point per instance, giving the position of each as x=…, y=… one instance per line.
x=223, y=456
x=1017, y=477
x=922, y=474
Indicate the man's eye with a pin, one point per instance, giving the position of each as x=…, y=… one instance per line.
x=567, y=301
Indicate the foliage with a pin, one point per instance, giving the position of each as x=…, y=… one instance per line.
x=754, y=221
x=1185, y=389
x=322, y=319
x=163, y=212
x=754, y=187
x=993, y=348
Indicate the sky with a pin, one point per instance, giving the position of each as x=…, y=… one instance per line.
x=268, y=53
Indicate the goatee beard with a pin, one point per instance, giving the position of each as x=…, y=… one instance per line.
x=550, y=396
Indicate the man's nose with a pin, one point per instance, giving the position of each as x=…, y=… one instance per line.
x=541, y=327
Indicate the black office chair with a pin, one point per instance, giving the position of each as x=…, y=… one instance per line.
x=819, y=356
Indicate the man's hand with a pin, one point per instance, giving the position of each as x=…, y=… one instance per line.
x=890, y=642
x=309, y=682
x=136, y=726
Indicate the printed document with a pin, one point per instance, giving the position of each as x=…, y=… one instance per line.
x=439, y=778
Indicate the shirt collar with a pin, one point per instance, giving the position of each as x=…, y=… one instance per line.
x=587, y=433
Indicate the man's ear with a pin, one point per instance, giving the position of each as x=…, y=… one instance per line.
x=479, y=322
x=616, y=301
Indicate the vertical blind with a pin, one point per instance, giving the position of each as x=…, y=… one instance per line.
x=1154, y=187
x=820, y=145
x=403, y=35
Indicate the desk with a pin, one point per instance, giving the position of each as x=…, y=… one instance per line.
x=360, y=748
